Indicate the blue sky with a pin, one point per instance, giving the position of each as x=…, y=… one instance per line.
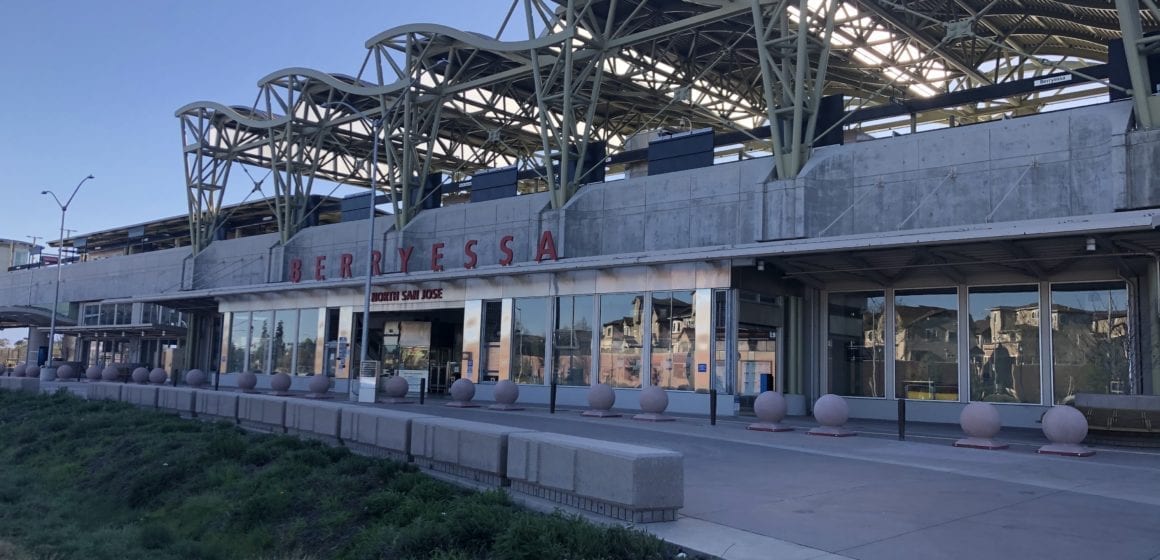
x=91, y=87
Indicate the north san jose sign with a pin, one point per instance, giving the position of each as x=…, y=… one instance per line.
x=319, y=269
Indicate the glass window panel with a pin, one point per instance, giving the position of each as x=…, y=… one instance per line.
x=720, y=341
x=124, y=314
x=309, y=343
x=621, y=335
x=239, y=341
x=149, y=313
x=285, y=333
x=573, y=340
x=674, y=338
x=856, y=344
x=109, y=314
x=261, y=330
x=1089, y=339
x=926, y=345
x=92, y=315
x=529, y=334
x=1004, y=354
x=492, y=348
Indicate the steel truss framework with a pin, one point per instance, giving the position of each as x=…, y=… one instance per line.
x=592, y=73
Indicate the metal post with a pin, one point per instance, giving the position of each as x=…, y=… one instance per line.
x=422, y=390
x=59, y=263
x=552, y=398
x=366, y=322
x=901, y=419
x=712, y=407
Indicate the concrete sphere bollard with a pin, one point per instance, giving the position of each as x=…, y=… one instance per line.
x=601, y=397
x=280, y=383
x=65, y=373
x=158, y=376
x=462, y=391
x=653, y=402
x=319, y=385
x=1066, y=428
x=396, y=388
x=110, y=373
x=93, y=373
x=32, y=370
x=506, y=394
x=770, y=408
x=980, y=421
x=140, y=376
x=247, y=381
x=18, y=371
x=832, y=412
x=195, y=378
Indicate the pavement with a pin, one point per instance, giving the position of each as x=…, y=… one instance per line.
x=761, y=495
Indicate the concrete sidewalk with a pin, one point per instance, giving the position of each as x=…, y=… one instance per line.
x=789, y=495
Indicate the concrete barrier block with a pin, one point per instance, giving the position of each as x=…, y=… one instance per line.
x=262, y=412
x=378, y=432
x=104, y=391
x=144, y=396
x=314, y=418
x=221, y=405
x=177, y=399
x=627, y=482
x=471, y=450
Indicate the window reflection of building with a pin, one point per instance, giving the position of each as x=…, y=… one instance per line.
x=856, y=344
x=1090, y=339
x=621, y=336
x=529, y=334
x=674, y=334
x=1004, y=344
x=926, y=345
x=572, y=340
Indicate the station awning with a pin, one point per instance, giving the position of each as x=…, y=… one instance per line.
x=24, y=316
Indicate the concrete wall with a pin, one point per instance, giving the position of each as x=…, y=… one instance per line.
x=236, y=262
x=157, y=272
x=1045, y=166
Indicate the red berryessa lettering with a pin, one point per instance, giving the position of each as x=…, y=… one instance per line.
x=320, y=268
x=404, y=257
x=547, y=247
x=545, y=250
x=503, y=247
x=376, y=263
x=472, y=258
x=436, y=256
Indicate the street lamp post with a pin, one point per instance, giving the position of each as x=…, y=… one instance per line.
x=59, y=262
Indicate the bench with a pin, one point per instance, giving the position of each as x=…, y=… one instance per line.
x=626, y=482
x=1120, y=413
x=314, y=419
x=216, y=405
x=99, y=391
x=264, y=413
x=177, y=399
x=378, y=432
x=144, y=396
x=472, y=451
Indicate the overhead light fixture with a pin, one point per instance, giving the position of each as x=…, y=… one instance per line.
x=1090, y=245
x=761, y=266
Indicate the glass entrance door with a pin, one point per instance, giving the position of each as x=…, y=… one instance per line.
x=757, y=349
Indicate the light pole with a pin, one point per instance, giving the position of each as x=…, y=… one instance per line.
x=376, y=127
x=59, y=263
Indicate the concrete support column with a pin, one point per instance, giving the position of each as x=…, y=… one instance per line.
x=36, y=339
x=1132, y=31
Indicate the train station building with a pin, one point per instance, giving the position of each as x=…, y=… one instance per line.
x=718, y=200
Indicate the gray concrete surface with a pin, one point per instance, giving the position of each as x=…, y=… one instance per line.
x=788, y=495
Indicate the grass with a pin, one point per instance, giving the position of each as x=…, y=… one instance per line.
x=105, y=481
